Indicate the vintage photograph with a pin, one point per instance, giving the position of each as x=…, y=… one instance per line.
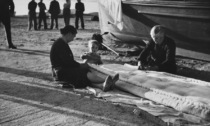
x=104, y=62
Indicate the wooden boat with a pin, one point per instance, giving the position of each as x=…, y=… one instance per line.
x=186, y=21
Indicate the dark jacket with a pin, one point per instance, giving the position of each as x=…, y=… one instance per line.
x=54, y=8
x=80, y=8
x=32, y=7
x=62, y=56
x=64, y=67
x=6, y=7
x=42, y=7
x=162, y=55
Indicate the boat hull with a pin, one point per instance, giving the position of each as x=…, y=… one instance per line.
x=188, y=23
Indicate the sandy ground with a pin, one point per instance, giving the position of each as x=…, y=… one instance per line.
x=27, y=92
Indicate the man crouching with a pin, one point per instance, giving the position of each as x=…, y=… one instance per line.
x=159, y=53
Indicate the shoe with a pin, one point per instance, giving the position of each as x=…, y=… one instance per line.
x=115, y=78
x=107, y=84
x=12, y=47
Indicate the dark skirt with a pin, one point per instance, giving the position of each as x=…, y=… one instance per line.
x=74, y=76
x=66, y=12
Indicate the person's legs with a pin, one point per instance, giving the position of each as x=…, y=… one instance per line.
x=44, y=18
x=66, y=15
x=45, y=22
x=7, y=26
x=8, y=32
x=35, y=22
x=40, y=22
x=56, y=22
x=76, y=21
x=105, y=86
x=68, y=20
x=82, y=77
x=82, y=21
x=64, y=18
x=52, y=22
x=95, y=78
x=29, y=22
x=102, y=83
x=79, y=19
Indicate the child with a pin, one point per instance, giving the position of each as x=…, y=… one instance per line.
x=98, y=37
x=92, y=56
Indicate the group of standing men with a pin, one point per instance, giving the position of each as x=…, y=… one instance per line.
x=54, y=11
x=7, y=10
x=32, y=14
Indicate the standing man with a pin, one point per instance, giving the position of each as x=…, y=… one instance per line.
x=80, y=8
x=7, y=10
x=32, y=14
x=159, y=53
x=54, y=10
x=42, y=14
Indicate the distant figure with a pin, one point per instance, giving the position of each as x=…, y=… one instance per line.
x=159, y=53
x=65, y=68
x=92, y=57
x=67, y=12
x=7, y=10
x=32, y=14
x=54, y=10
x=80, y=8
x=42, y=14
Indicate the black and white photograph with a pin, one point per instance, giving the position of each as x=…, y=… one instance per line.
x=104, y=62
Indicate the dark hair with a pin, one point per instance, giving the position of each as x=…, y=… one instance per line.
x=68, y=29
x=98, y=37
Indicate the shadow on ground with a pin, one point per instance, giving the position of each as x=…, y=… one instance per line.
x=27, y=51
x=38, y=75
x=64, y=102
x=192, y=73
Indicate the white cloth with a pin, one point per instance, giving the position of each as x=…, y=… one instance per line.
x=184, y=94
x=114, y=8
